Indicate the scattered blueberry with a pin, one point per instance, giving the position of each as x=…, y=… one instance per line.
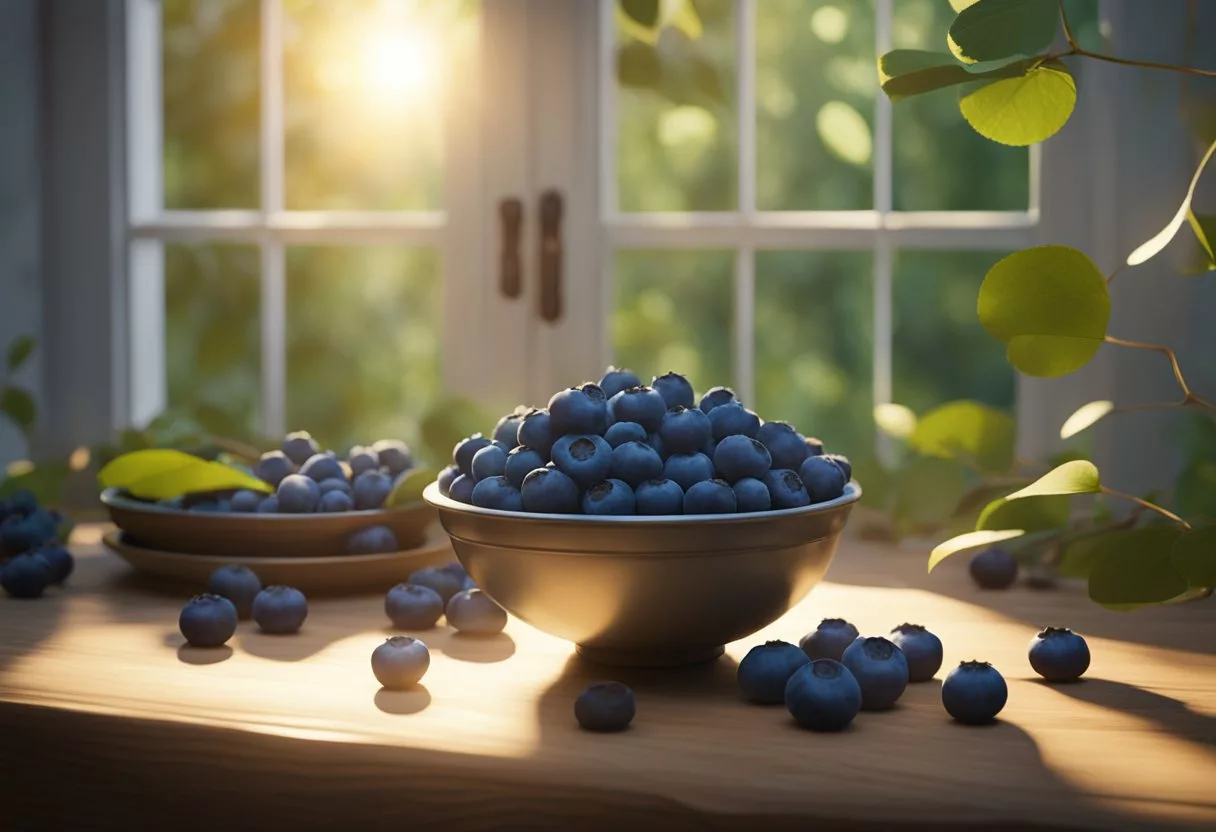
x=298, y=494
x=299, y=447
x=490, y=461
x=246, y=502
x=685, y=430
x=741, y=456
x=710, y=497
x=619, y=433
x=823, y=478
x=335, y=484
x=585, y=458
x=829, y=640
x=786, y=489
x=605, y=707
x=716, y=397
x=373, y=540
x=580, y=410
x=372, y=489
x=733, y=419
x=843, y=462
x=534, y=431
x=752, y=495
x=239, y=584
x=207, y=620
x=686, y=470
x=549, y=491
x=26, y=529
x=609, y=497
x=335, y=502
x=362, y=459
x=400, y=662
x=787, y=447
x=272, y=467
x=506, y=430
x=767, y=668
x=616, y=379
x=497, y=493
x=465, y=450
x=280, y=610
x=270, y=505
x=394, y=456
x=413, y=607
x=881, y=670
x=445, y=479
x=1059, y=655
x=1040, y=576
x=635, y=461
x=25, y=575
x=659, y=497
x=58, y=559
x=994, y=569
x=823, y=696
x=521, y=462
x=462, y=489
x=443, y=581
x=921, y=649
x=974, y=693
x=472, y=611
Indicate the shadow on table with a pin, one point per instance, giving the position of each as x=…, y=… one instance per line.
x=1169, y=714
x=403, y=702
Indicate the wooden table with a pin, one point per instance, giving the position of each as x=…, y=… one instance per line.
x=106, y=720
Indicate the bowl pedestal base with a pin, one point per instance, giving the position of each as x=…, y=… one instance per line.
x=649, y=658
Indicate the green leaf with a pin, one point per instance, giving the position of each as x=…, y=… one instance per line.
x=1032, y=514
x=903, y=73
x=1204, y=226
x=895, y=419
x=19, y=350
x=1049, y=305
x=1162, y=238
x=162, y=474
x=1194, y=556
x=927, y=492
x=45, y=479
x=1078, y=477
x=18, y=405
x=969, y=431
x=1133, y=568
x=1085, y=416
x=1195, y=489
x=992, y=29
x=409, y=487
x=643, y=12
x=1020, y=111
x=638, y=65
x=959, y=5
x=1081, y=555
x=970, y=540
x=686, y=19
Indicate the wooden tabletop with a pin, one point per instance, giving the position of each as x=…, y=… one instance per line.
x=107, y=720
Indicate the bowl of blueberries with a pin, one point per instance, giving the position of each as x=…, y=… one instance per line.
x=318, y=508
x=646, y=524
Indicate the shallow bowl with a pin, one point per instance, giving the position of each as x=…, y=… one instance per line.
x=646, y=591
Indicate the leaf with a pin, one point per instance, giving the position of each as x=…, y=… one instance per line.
x=959, y=5
x=1133, y=568
x=1032, y=514
x=46, y=480
x=638, y=65
x=1081, y=555
x=1204, y=226
x=1195, y=489
x=895, y=419
x=1085, y=416
x=927, y=492
x=1079, y=477
x=992, y=29
x=449, y=420
x=1049, y=305
x=19, y=350
x=1020, y=111
x=18, y=405
x=706, y=81
x=969, y=431
x=903, y=73
x=409, y=488
x=1194, y=556
x=686, y=19
x=162, y=474
x=970, y=540
x=643, y=12
x=1161, y=239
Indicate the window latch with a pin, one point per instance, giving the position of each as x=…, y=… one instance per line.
x=510, y=278
x=551, y=255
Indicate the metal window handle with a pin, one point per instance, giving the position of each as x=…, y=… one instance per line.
x=510, y=280
x=551, y=255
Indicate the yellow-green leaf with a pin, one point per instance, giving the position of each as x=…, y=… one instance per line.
x=1204, y=226
x=992, y=29
x=162, y=474
x=19, y=350
x=970, y=540
x=1077, y=477
x=927, y=492
x=960, y=5
x=903, y=73
x=1085, y=416
x=1133, y=568
x=1033, y=514
x=409, y=487
x=1194, y=556
x=1162, y=238
x=1023, y=110
x=643, y=12
x=967, y=430
x=18, y=405
x=895, y=419
x=685, y=19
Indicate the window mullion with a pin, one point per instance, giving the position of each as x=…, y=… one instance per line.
x=745, y=261
x=883, y=254
x=273, y=255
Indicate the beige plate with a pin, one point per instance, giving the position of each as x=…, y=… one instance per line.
x=345, y=575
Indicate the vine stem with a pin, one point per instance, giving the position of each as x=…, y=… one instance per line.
x=1145, y=504
x=1188, y=397
x=1076, y=49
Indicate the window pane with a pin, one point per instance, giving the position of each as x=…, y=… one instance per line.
x=815, y=88
x=940, y=163
x=814, y=345
x=213, y=332
x=674, y=311
x=362, y=341
x=211, y=103
x=941, y=352
x=364, y=87
x=676, y=114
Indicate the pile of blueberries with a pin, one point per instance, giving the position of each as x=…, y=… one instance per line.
x=233, y=593
x=620, y=447
x=32, y=556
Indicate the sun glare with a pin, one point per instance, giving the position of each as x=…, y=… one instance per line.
x=404, y=64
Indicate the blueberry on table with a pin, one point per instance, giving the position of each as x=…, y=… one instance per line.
x=829, y=640
x=635, y=461
x=1041, y=576
x=582, y=409
x=823, y=696
x=737, y=457
x=617, y=379
x=974, y=693
x=605, y=707
x=441, y=579
x=549, y=491
x=462, y=489
x=880, y=668
x=59, y=560
x=921, y=649
x=506, y=429
x=298, y=494
x=362, y=459
x=786, y=489
x=497, y=493
x=766, y=669
x=685, y=429
x=994, y=569
x=239, y=584
x=490, y=461
x=658, y=497
x=22, y=531
x=710, y=497
x=843, y=462
x=675, y=390
x=534, y=431
x=335, y=502
x=585, y=458
x=207, y=620
x=445, y=479
x=522, y=461
x=400, y=662
x=716, y=397
x=473, y=612
x=610, y=497
x=270, y=505
x=246, y=502
x=823, y=478
x=1059, y=655
x=686, y=470
x=787, y=447
x=752, y=495
x=373, y=540
x=334, y=484
x=26, y=575
x=272, y=467
x=619, y=433
x=299, y=446
x=280, y=610
x=413, y=606
x=733, y=419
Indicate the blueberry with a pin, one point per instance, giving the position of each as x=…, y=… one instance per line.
x=23, y=501
x=814, y=447
x=823, y=696
x=549, y=491
x=786, y=446
x=655, y=441
x=207, y=620
x=280, y=610
x=22, y=531
x=445, y=479
x=270, y=505
x=298, y=494
x=709, y=448
x=239, y=584
x=585, y=458
x=609, y=497
x=829, y=640
x=716, y=397
x=786, y=489
x=684, y=430
x=335, y=502
x=534, y=431
x=371, y=489
x=413, y=607
x=373, y=540
x=658, y=497
x=456, y=568
x=921, y=649
x=752, y=495
x=329, y=485
x=974, y=693
x=400, y=662
x=394, y=456
x=490, y=461
x=245, y=501
x=362, y=459
x=739, y=456
x=605, y=707
x=212, y=507
x=767, y=668
x=635, y=462
x=323, y=466
x=675, y=390
x=440, y=579
x=621, y=432
x=643, y=405
x=465, y=450
x=497, y=493
x=617, y=379
x=578, y=410
x=58, y=559
x=25, y=575
x=521, y=462
x=506, y=430
x=462, y=489
x=843, y=462
x=299, y=446
x=710, y=497
x=823, y=478
x=272, y=467
x=1059, y=655
x=994, y=569
x=472, y=611
x=881, y=670
x=733, y=419
x=686, y=470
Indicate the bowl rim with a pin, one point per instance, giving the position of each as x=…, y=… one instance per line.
x=852, y=493
x=115, y=497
